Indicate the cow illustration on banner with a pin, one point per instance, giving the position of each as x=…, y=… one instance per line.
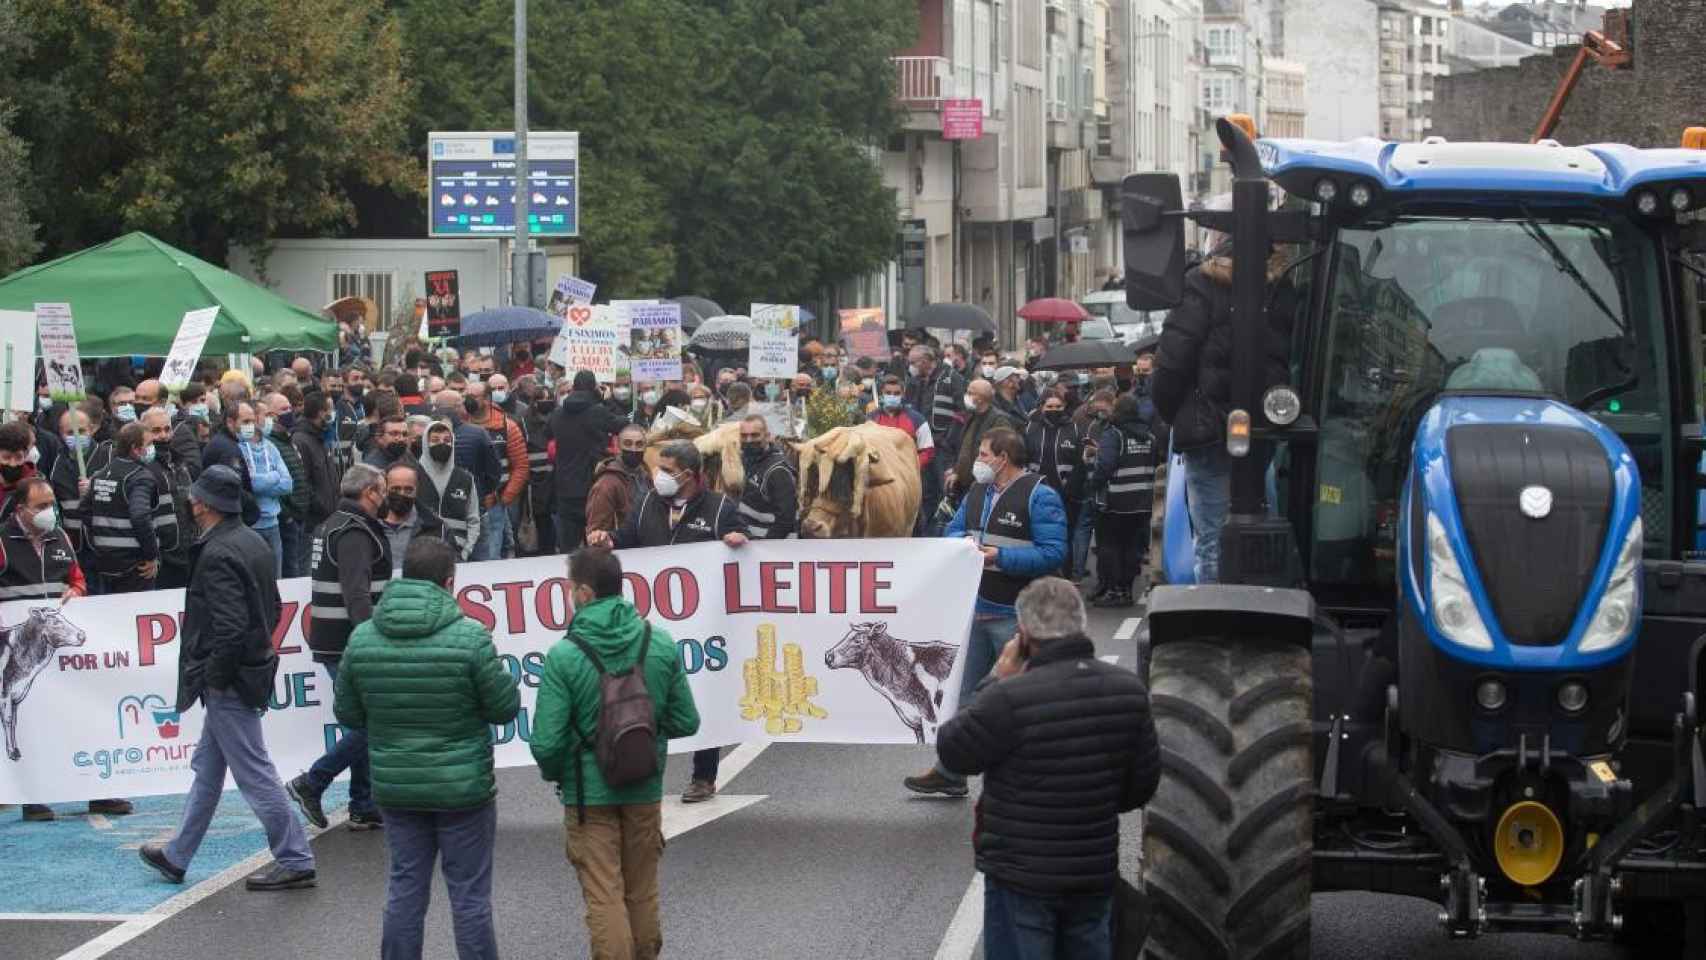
x=25, y=651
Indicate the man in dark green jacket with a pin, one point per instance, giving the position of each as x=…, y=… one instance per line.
x=425, y=682
x=615, y=848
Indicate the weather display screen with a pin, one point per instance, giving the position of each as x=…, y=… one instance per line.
x=472, y=179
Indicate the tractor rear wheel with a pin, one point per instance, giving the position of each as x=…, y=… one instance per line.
x=1227, y=838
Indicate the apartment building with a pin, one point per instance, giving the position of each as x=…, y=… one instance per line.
x=1235, y=45
x=1285, y=83
x=1414, y=48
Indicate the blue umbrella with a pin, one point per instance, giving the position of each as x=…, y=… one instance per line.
x=503, y=325
x=807, y=316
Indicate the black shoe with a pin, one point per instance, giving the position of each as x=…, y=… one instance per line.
x=934, y=783
x=366, y=821
x=1109, y=599
x=1121, y=600
x=308, y=800
x=111, y=808
x=39, y=813
x=280, y=877
x=154, y=855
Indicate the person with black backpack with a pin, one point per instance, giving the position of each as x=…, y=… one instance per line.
x=612, y=696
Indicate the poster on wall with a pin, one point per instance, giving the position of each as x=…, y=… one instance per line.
x=443, y=303
x=821, y=641
x=655, y=341
x=774, y=347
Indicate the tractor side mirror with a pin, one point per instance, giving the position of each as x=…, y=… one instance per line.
x=1154, y=227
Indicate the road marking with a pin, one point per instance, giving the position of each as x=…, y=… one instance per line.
x=1128, y=628
x=739, y=759
x=100, y=822
x=678, y=817
x=960, y=941
x=71, y=917
x=139, y=925
x=1112, y=658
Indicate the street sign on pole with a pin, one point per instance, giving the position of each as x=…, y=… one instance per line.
x=472, y=178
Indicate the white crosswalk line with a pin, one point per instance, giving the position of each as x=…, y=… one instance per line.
x=1128, y=628
x=70, y=917
x=960, y=941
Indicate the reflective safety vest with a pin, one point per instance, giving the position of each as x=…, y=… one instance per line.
x=111, y=531
x=1009, y=525
x=499, y=438
x=754, y=506
x=26, y=574
x=329, y=623
x=454, y=505
x=166, y=520
x=64, y=479
x=1132, y=487
x=540, y=469
x=1057, y=455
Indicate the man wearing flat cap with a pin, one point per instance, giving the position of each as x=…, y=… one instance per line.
x=227, y=662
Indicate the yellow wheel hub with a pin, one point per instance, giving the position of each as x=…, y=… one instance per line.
x=1529, y=843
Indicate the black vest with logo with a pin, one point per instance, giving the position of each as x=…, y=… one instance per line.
x=111, y=532
x=28, y=575
x=170, y=487
x=1132, y=487
x=540, y=469
x=64, y=479
x=454, y=505
x=329, y=623
x=755, y=507
x=1009, y=526
x=1057, y=455
x=698, y=523
x=499, y=438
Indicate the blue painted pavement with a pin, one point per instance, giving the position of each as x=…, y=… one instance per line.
x=84, y=864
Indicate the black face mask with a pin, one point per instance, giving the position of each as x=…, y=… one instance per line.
x=356, y=392
x=752, y=452
x=162, y=451
x=399, y=504
x=1055, y=417
x=12, y=474
x=395, y=450
x=543, y=404
x=633, y=458
x=335, y=395
x=441, y=452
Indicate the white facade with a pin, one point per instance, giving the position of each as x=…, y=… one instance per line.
x=1414, y=39
x=1235, y=43
x=1285, y=84
x=1338, y=43
x=391, y=273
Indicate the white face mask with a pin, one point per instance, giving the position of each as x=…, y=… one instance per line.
x=987, y=371
x=982, y=472
x=665, y=483
x=35, y=455
x=649, y=398
x=699, y=404
x=246, y=431
x=971, y=402
x=46, y=520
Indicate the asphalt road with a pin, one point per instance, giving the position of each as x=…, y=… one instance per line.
x=835, y=860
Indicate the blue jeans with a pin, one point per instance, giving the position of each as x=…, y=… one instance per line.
x=1017, y=926
x=295, y=548
x=495, y=536
x=1087, y=514
x=350, y=753
x=983, y=648
x=464, y=840
x=1208, y=484
x=231, y=740
x=271, y=536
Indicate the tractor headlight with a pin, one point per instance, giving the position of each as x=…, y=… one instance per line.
x=1647, y=202
x=1681, y=200
x=1326, y=190
x=1453, y=608
x=1361, y=195
x=1614, y=620
x=1281, y=405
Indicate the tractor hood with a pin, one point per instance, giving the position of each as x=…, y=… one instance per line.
x=1522, y=534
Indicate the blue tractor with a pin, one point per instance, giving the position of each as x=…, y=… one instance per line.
x=1454, y=647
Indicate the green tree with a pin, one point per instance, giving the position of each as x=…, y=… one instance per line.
x=18, y=244
x=211, y=122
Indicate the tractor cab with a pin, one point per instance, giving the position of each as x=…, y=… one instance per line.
x=1452, y=652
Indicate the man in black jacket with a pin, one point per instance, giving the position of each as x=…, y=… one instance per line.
x=227, y=662
x=1048, y=844
x=122, y=501
x=309, y=439
x=582, y=428
x=1192, y=386
x=678, y=509
x=769, y=504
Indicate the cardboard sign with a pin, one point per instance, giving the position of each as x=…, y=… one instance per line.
x=443, y=303
x=774, y=348
x=186, y=348
x=655, y=341
x=570, y=291
x=865, y=333
x=593, y=339
x=60, y=359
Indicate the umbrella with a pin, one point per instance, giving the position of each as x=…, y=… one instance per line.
x=954, y=316
x=128, y=296
x=722, y=335
x=807, y=316
x=1053, y=310
x=696, y=310
x=1086, y=354
x=504, y=325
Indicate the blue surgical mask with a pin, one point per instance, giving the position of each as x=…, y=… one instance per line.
x=198, y=410
x=500, y=397
x=125, y=413
x=148, y=453
x=44, y=403
x=246, y=431
x=891, y=401
x=830, y=373
x=78, y=441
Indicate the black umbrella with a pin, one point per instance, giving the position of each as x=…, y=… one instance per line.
x=1086, y=354
x=954, y=316
x=696, y=310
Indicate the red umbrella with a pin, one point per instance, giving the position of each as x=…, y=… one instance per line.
x=1053, y=310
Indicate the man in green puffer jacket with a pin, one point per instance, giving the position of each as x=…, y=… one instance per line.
x=615, y=849
x=425, y=682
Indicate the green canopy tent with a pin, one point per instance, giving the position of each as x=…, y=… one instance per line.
x=129, y=295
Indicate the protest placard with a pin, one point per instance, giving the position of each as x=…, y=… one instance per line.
x=63, y=365
x=864, y=332
x=655, y=341
x=186, y=348
x=774, y=348
x=443, y=303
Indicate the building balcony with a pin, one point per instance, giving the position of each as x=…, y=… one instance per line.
x=922, y=83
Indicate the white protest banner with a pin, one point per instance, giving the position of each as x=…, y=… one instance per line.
x=59, y=352
x=786, y=640
x=186, y=348
x=568, y=292
x=774, y=349
x=656, y=341
x=591, y=339
x=18, y=360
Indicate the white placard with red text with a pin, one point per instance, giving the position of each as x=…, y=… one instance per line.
x=865, y=649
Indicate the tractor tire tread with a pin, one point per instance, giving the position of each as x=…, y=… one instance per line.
x=1198, y=783
x=1194, y=715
